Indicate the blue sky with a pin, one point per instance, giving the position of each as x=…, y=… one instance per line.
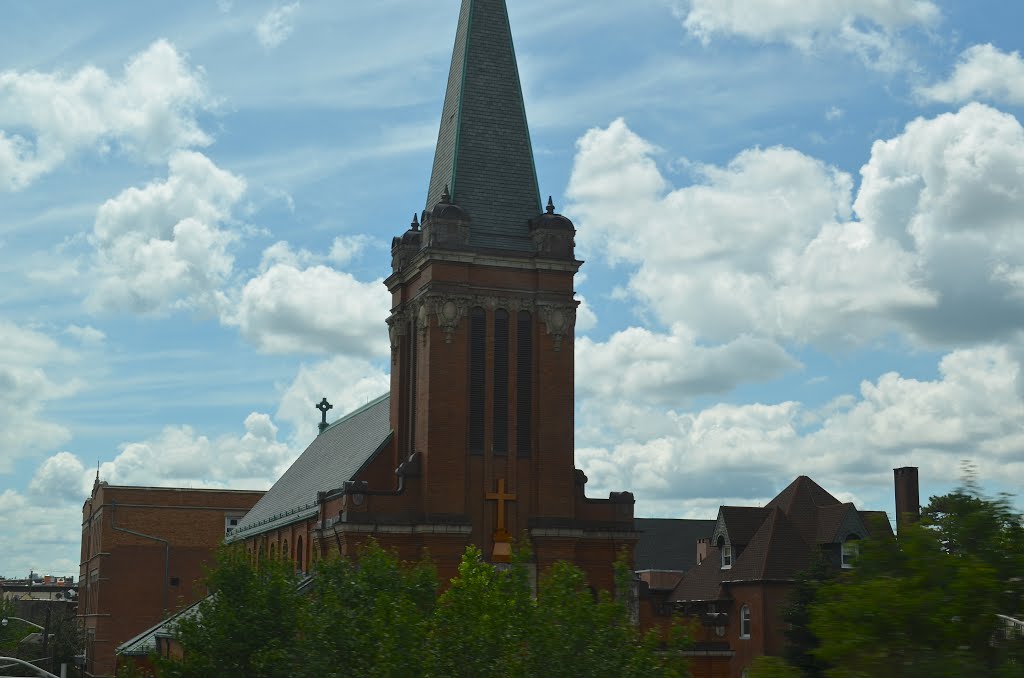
x=803, y=226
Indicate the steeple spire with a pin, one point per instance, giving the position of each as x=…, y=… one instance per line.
x=483, y=146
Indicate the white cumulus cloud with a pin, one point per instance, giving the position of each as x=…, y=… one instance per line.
x=149, y=111
x=28, y=360
x=166, y=245
x=181, y=457
x=982, y=72
x=867, y=28
x=291, y=307
x=763, y=246
x=674, y=458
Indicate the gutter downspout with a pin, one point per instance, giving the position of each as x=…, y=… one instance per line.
x=167, y=548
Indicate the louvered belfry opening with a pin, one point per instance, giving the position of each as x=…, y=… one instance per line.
x=411, y=397
x=499, y=432
x=524, y=384
x=477, y=378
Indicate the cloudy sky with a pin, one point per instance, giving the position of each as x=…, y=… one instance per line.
x=802, y=220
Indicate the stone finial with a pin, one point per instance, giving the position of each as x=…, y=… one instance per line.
x=551, y=206
x=415, y=225
x=446, y=196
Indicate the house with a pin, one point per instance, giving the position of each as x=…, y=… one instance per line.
x=738, y=591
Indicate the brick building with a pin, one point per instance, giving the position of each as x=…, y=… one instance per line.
x=748, y=566
x=474, y=442
x=143, y=553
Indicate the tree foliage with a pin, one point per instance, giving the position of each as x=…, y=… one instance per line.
x=927, y=604
x=377, y=616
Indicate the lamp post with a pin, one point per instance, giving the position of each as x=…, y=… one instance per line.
x=46, y=635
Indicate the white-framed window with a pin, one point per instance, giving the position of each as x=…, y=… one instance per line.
x=745, y=621
x=850, y=550
x=726, y=557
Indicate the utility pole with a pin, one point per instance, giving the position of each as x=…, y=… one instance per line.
x=46, y=641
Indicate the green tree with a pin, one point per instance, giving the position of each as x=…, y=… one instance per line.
x=376, y=616
x=801, y=642
x=927, y=604
x=369, y=616
x=489, y=624
x=248, y=626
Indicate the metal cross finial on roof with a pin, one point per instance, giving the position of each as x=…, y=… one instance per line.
x=323, y=406
x=551, y=205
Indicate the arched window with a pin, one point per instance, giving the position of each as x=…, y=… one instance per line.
x=745, y=621
x=851, y=549
x=299, y=554
x=285, y=553
x=273, y=551
x=524, y=384
x=726, y=551
x=477, y=378
x=499, y=415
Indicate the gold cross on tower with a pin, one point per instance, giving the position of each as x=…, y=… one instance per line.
x=502, y=539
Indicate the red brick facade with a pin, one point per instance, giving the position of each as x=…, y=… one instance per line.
x=122, y=585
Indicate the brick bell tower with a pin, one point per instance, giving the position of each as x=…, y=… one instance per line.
x=481, y=331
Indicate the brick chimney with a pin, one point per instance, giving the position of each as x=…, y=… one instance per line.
x=702, y=550
x=908, y=498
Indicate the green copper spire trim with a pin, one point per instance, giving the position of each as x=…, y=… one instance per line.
x=483, y=150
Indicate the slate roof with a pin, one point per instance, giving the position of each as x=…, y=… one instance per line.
x=669, y=543
x=144, y=644
x=776, y=552
x=483, y=149
x=742, y=522
x=333, y=457
x=774, y=543
x=703, y=582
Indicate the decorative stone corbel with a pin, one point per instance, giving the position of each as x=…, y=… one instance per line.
x=559, y=321
x=397, y=328
x=423, y=320
x=450, y=311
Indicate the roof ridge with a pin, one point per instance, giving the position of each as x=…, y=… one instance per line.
x=361, y=408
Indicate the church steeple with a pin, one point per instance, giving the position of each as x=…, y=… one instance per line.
x=483, y=146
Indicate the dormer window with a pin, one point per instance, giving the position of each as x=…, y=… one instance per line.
x=726, y=557
x=850, y=550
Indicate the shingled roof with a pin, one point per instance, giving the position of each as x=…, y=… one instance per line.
x=776, y=542
x=333, y=457
x=483, y=149
x=669, y=543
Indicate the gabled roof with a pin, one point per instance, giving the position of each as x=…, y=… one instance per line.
x=741, y=522
x=333, y=457
x=702, y=582
x=669, y=543
x=483, y=149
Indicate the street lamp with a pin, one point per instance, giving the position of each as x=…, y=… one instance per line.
x=45, y=629
x=6, y=621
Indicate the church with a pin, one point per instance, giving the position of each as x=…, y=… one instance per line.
x=473, y=444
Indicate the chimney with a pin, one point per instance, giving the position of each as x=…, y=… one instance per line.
x=908, y=498
x=702, y=550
